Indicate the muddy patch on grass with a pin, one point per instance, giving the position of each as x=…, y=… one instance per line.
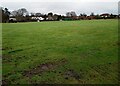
x=6, y=58
x=43, y=68
x=5, y=48
x=5, y=82
x=73, y=74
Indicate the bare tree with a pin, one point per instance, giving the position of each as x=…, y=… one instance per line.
x=1, y=11
x=32, y=14
x=38, y=14
x=4, y=13
x=84, y=14
x=14, y=13
x=22, y=12
x=68, y=14
x=50, y=14
x=92, y=14
x=81, y=14
x=71, y=14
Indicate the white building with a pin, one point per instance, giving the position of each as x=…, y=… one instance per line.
x=38, y=18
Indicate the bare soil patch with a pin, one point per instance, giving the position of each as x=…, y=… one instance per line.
x=73, y=74
x=5, y=82
x=43, y=68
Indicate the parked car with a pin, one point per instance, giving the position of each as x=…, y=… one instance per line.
x=12, y=20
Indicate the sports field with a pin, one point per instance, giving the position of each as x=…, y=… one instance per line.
x=62, y=52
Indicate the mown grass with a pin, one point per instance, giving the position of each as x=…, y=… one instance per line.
x=89, y=48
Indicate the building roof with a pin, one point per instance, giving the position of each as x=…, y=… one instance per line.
x=105, y=14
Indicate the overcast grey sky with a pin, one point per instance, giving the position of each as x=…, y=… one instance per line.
x=61, y=7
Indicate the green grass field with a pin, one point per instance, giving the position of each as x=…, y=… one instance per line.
x=67, y=52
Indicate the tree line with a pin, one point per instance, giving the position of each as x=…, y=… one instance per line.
x=22, y=15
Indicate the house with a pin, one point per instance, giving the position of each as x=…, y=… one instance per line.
x=56, y=17
x=105, y=15
x=37, y=18
x=49, y=18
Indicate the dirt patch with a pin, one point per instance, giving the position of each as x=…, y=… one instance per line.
x=73, y=74
x=43, y=68
x=6, y=58
x=5, y=48
x=5, y=82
